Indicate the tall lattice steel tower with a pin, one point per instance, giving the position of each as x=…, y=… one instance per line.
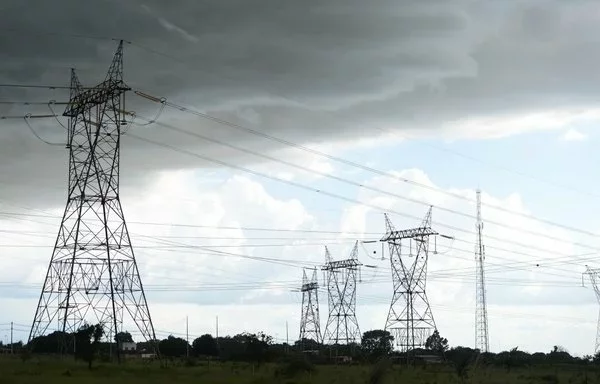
x=482, y=341
x=410, y=319
x=594, y=276
x=310, y=323
x=342, y=326
x=93, y=276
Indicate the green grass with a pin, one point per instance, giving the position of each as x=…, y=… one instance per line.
x=50, y=371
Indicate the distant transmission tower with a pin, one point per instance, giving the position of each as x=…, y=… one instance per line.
x=310, y=324
x=482, y=341
x=342, y=326
x=410, y=319
x=594, y=276
x=93, y=276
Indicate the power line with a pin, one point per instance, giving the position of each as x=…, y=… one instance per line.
x=364, y=186
x=323, y=192
x=361, y=185
x=224, y=122
x=513, y=264
x=348, y=162
x=40, y=86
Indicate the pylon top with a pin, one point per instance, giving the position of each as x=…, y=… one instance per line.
x=421, y=231
x=408, y=233
x=112, y=86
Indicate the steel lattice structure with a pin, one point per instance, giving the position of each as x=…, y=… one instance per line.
x=594, y=276
x=410, y=319
x=310, y=323
x=482, y=341
x=93, y=276
x=342, y=326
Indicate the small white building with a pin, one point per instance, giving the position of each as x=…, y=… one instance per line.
x=128, y=346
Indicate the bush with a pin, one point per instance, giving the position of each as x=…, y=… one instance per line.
x=25, y=354
x=549, y=379
x=294, y=367
x=379, y=371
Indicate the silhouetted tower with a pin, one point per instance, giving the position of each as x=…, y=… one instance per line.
x=410, y=319
x=594, y=276
x=310, y=324
x=93, y=276
x=481, y=320
x=342, y=326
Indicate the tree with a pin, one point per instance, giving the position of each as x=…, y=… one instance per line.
x=123, y=337
x=173, y=346
x=307, y=345
x=253, y=347
x=377, y=343
x=205, y=345
x=87, y=339
x=559, y=354
x=436, y=343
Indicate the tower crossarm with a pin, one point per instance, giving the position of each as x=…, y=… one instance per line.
x=409, y=234
x=309, y=287
x=100, y=94
x=340, y=264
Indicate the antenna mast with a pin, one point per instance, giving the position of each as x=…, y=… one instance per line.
x=481, y=320
x=594, y=276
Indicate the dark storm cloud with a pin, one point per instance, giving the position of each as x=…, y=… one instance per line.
x=307, y=71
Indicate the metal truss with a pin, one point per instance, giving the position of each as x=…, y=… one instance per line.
x=342, y=326
x=594, y=276
x=481, y=319
x=93, y=276
x=310, y=323
x=410, y=319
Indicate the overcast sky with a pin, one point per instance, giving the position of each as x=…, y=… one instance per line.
x=423, y=101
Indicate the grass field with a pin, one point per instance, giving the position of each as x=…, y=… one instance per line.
x=49, y=371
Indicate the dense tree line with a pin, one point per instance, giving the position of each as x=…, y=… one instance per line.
x=260, y=348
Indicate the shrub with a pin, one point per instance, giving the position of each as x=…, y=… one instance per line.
x=295, y=366
x=379, y=371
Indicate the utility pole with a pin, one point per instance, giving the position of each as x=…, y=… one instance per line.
x=594, y=276
x=11, y=338
x=93, y=277
x=187, y=339
x=287, y=337
x=342, y=326
x=217, y=334
x=481, y=320
x=409, y=319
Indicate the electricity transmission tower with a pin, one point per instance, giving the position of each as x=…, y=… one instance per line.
x=594, y=276
x=342, y=326
x=481, y=321
x=310, y=324
x=93, y=276
x=410, y=319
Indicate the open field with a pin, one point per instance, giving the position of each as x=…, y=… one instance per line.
x=49, y=371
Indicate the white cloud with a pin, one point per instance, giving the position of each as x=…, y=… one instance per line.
x=573, y=135
x=493, y=127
